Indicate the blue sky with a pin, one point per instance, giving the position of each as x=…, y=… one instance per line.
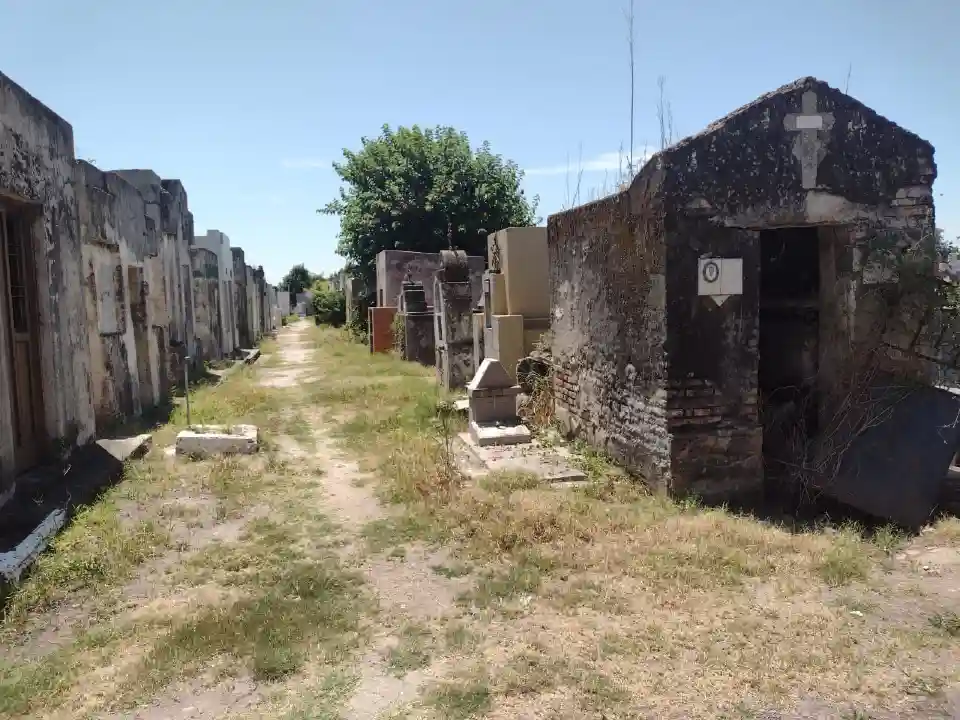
x=248, y=102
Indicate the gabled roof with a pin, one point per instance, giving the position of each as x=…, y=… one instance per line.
x=799, y=85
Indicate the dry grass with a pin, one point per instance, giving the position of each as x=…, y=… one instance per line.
x=599, y=602
x=636, y=605
x=192, y=569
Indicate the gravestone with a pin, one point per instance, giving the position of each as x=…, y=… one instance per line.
x=493, y=407
x=453, y=320
x=417, y=342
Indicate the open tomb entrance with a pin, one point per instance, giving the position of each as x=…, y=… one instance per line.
x=797, y=303
x=19, y=316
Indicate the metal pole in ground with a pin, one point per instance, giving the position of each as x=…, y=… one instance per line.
x=186, y=385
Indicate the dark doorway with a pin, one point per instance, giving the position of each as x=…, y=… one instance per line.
x=18, y=304
x=789, y=348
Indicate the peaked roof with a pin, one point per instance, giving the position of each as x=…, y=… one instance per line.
x=491, y=376
x=800, y=84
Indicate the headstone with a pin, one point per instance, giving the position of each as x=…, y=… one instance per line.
x=418, y=341
x=453, y=320
x=493, y=407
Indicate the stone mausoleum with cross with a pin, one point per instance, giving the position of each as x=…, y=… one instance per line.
x=730, y=282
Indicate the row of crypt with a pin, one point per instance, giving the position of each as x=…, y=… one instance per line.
x=106, y=291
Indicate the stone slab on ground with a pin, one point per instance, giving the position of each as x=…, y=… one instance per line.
x=553, y=464
x=206, y=440
x=46, y=498
x=247, y=357
x=499, y=434
x=896, y=469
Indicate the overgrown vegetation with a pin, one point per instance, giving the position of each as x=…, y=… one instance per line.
x=601, y=599
x=669, y=580
x=330, y=307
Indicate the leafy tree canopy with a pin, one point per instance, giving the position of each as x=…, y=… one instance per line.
x=298, y=279
x=409, y=187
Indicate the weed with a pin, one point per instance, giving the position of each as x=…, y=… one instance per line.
x=530, y=672
x=398, y=553
x=459, y=701
x=289, y=606
x=459, y=638
x=323, y=701
x=948, y=622
x=517, y=580
x=97, y=550
x=452, y=571
x=845, y=561
x=887, y=539
x=411, y=652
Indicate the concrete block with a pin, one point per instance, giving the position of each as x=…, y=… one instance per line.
x=206, y=440
x=13, y=563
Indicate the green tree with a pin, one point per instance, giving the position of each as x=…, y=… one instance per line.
x=410, y=187
x=297, y=280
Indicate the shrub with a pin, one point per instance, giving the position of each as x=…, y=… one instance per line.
x=330, y=307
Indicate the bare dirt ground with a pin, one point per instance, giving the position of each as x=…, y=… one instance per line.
x=345, y=572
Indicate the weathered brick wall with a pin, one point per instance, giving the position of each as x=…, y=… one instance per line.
x=712, y=372
x=608, y=329
x=716, y=441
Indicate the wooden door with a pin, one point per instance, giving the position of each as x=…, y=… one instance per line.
x=16, y=301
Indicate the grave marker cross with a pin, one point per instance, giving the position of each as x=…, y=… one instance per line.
x=809, y=147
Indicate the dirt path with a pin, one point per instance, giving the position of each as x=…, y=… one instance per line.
x=406, y=591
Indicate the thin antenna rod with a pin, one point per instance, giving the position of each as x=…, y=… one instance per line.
x=632, y=88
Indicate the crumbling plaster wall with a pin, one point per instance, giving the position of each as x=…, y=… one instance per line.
x=453, y=332
x=167, y=204
x=206, y=298
x=253, y=306
x=859, y=172
x=37, y=177
x=393, y=266
x=218, y=243
x=711, y=194
x=241, y=298
x=355, y=296
x=273, y=303
x=260, y=283
x=125, y=298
